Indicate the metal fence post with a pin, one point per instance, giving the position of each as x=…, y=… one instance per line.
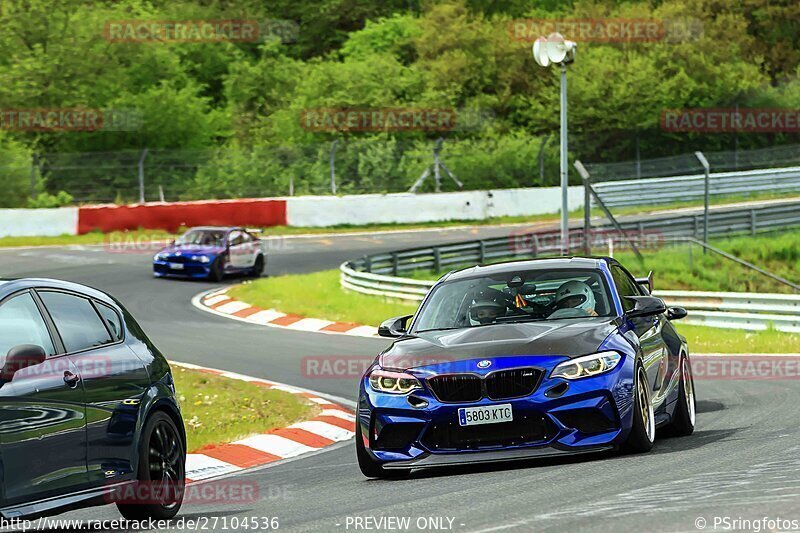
x=753, y=225
x=587, y=216
x=333, y=166
x=706, y=167
x=481, y=252
x=34, y=164
x=141, y=176
x=437, y=259
x=395, y=263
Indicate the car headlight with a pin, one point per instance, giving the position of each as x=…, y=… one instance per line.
x=393, y=382
x=201, y=259
x=586, y=366
x=160, y=257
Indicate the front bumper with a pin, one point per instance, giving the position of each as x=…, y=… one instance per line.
x=559, y=417
x=195, y=270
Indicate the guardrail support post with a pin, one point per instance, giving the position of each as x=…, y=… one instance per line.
x=481, y=252
x=753, y=225
x=437, y=260
x=395, y=263
x=367, y=263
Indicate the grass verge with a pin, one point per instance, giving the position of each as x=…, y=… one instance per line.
x=112, y=239
x=218, y=410
x=702, y=339
x=319, y=295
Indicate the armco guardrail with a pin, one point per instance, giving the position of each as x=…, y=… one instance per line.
x=750, y=311
x=654, y=191
x=779, y=215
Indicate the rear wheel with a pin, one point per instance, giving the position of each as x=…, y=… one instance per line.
x=161, y=474
x=258, y=268
x=369, y=466
x=683, y=418
x=643, y=429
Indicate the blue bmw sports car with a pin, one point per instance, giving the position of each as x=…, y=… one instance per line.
x=525, y=359
x=211, y=253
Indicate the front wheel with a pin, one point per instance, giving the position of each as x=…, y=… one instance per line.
x=217, y=270
x=161, y=476
x=643, y=429
x=369, y=466
x=683, y=418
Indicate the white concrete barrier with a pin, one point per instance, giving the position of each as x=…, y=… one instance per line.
x=38, y=222
x=305, y=211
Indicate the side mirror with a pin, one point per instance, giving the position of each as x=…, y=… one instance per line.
x=676, y=313
x=647, y=282
x=646, y=306
x=394, y=327
x=20, y=357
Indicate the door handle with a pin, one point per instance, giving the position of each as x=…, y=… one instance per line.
x=71, y=379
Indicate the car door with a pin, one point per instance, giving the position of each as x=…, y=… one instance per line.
x=239, y=252
x=42, y=409
x=648, y=330
x=114, y=380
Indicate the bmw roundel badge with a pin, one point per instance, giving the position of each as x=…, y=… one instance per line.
x=484, y=364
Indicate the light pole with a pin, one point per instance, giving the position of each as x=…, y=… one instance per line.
x=558, y=51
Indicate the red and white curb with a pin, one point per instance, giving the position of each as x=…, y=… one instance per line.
x=219, y=303
x=334, y=424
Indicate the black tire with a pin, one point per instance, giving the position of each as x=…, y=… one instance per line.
x=258, y=268
x=161, y=440
x=216, y=272
x=369, y=466
x=683, y=418
x=643, y=430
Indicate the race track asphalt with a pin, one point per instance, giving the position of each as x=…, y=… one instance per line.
x=742, y=461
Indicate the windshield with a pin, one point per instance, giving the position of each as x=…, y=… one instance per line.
x=522, y=296
x=203, y=237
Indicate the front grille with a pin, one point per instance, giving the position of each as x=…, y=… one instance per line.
x=512, y=383
x=527, y=428
x=499, y=385
x=457, y=387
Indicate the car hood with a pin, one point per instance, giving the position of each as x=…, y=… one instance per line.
x=192, y=249
x=569, y=337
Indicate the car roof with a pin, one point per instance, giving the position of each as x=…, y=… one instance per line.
x=9, y=286
x=215, y=228
x=528, y=264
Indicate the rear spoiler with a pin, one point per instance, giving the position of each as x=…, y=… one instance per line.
x=646, y=282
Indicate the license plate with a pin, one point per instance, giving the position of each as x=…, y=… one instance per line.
x=176, y=266
x=490, y=414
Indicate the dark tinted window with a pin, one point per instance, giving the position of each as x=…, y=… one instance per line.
x=112, y=320
x=22, y=323
x=76, y=320
x=626, y=286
